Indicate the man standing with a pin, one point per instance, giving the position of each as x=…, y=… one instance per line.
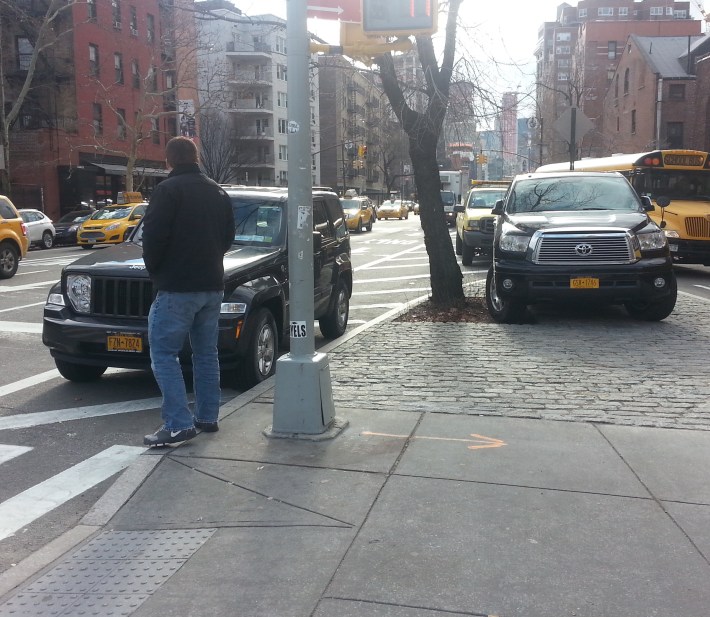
x=187, y=229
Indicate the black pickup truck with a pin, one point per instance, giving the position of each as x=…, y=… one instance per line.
x=97, y=315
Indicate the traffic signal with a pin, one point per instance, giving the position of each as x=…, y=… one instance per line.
x=399, y=17
x=364, y=152
x=360, y=151
x=482, y=159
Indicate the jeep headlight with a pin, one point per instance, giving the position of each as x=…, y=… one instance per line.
x=79, y=292
x=113, y=226
x=233, y=308
x=653, y=241
x=55, y=297
x=514, y=242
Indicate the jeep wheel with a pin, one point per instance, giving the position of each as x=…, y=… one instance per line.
x=500, y=309
x=79, y=373
x=459, y=244
x=47, y=240
x=9, y=260
x=654, y=311
x=260, y=362
x=467, y=255
x=333, y=324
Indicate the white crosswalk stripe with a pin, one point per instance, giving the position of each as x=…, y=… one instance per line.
x=7, y=453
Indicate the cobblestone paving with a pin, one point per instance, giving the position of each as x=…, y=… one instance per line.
x=587, y=366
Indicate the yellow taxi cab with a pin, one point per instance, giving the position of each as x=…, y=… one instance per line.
x=112, y=224
x=393, y=209
x=14, y=240
x=359, y=213
x=475, y=225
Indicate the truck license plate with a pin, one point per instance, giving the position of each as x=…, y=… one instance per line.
x=124, y=342
x=584, y=282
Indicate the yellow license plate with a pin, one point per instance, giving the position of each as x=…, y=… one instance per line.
x=124, y=342
x=584, y=282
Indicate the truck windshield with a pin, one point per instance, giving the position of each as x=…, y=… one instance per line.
x=572, y=194
x=448, y=198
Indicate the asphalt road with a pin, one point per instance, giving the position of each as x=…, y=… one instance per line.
x=61, y=444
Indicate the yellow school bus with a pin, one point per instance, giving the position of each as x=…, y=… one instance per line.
x=682, y=176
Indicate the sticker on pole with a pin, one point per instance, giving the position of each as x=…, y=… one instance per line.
x=302, y=217
x=298, y=329
x=293, y=126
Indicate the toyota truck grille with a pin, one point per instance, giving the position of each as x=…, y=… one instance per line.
x=121, y=297
x=586, y=248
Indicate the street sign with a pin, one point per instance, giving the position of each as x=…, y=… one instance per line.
x=344, y=10
x=563, y=124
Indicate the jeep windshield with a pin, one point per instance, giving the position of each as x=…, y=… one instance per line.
x=572, y=194
x=259, y=222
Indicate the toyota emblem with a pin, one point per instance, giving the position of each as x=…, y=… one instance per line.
x=583, y=249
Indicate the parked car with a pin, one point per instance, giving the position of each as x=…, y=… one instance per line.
x=40, y=229
x=13, y=238
x=66, y=227
x=110, y=224
x=359, y=213
x=97, y=315
x=474, y=222
x=580, y=236
x=393, y=209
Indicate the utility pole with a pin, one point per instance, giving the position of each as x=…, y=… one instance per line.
x=303, y=398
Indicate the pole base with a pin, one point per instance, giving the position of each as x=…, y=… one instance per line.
x=337, y=426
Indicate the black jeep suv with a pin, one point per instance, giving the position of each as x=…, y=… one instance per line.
x=578, y=236
x=97, y=315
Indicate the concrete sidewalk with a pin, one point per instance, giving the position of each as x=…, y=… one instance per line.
x=423, y=507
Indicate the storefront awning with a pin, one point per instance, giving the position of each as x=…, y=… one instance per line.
x=120, y=170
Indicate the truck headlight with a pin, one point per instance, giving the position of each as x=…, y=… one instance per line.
x=79, y=292
x=233, y=308
x=515, y=243
x=474, y=224
x=652, y=241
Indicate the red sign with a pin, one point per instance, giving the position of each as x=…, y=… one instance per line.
x=344, y=10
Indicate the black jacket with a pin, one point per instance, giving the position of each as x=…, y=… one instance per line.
x=187, y=228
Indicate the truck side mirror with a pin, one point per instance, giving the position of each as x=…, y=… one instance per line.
x=459, y=208
x=498, y=208
x=647, y=203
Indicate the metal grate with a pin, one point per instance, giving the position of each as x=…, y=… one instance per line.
x=121, y=297
x=583, y=248
x=697, y=226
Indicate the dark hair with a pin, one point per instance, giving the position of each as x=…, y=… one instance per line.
x=180, y=151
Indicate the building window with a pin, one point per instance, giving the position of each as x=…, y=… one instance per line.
x=562, y=50
x=669, y=10
x=562, y=76
x=623, y=11
x=169, y=80
x=281, y=99
x=280, y=44
x=616, y=87
x=151, y=27
x=676, y=92
x=262, y=126
x=116, y=13
x=24, y=53
x=674, y=134
x=91, y=9
x=283, y=153
x=627, y=80
x=97, y=119
x=283, y=124
x=680, y=14
x=154, y=131
x=582, y=13
x=94, y=69
x=283, y=178
x=153, y=78
x=609, y=75
x=281, y=72
x=611, y=50
x=633, y=121
x=656, y=10
x=121, y=128
x=118, y=67
x=135, y=74
x=134, y=21
x=605, y=11
x=563, y=36
x=563, y=63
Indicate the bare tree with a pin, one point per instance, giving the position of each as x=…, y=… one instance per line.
x=423, y=130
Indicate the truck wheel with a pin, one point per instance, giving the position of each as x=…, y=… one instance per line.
x=502, y=310
x=80, y=373
x=654, y=311
x=369, y=225
x=9, y=260
x=47, y=240
x=359, y=226
x=262, y=350
x=467, y=255
x=333, y=324
x=459, y=244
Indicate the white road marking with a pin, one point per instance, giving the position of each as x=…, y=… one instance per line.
x=390, y=267
x=9, y=452
x=389, y=305
x=28, y=286
x=39, y=418
x=33, y=272
x=388, y=258
x=702, y=286
x=28, y=382
x=28, y=506
x=387, y=292
x=17, y=308
x=20, y=327
x=394, y=278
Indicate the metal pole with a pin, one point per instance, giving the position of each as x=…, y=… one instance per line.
x=303, y=403
x=572, y=138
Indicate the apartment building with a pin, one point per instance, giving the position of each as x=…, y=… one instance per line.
x=102, y=102
x=577, y=55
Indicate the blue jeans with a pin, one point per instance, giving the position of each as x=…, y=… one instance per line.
x=173, y=317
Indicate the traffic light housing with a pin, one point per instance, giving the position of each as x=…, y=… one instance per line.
x=399, y=17
x=482, y=159
x=364, y=152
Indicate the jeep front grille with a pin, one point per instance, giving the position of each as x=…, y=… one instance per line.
x=697, y=226
x=121, y=297
x=583, y=248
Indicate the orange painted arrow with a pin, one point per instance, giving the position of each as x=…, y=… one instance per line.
x=481, y=441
